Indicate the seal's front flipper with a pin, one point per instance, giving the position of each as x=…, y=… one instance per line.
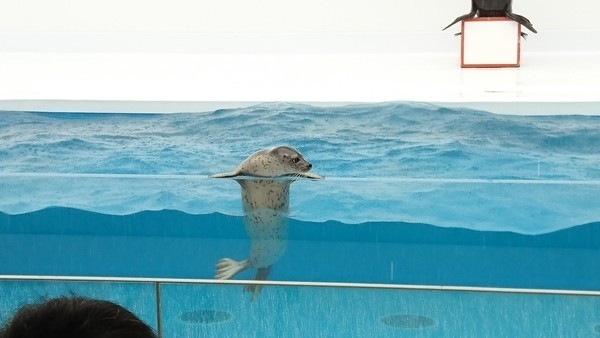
x=227, y=268
x=225, y=175
x=261, y=274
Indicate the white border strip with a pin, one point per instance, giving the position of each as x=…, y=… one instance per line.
x=516, y=106
x=300, y=284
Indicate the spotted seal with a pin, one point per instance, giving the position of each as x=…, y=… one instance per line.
x=265, y=178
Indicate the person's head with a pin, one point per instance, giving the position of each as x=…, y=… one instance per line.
x=75, y=317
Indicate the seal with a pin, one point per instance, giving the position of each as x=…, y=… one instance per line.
x=492, y=8
x=265, y=178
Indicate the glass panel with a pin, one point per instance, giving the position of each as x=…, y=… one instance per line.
x=413, y=194
x=190, y=310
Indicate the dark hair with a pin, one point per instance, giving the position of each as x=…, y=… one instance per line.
x=75, y=317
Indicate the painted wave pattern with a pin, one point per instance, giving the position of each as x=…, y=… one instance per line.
x=379, y=140
x=374, y=156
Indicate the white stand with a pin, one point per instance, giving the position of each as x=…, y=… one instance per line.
x=490, y=42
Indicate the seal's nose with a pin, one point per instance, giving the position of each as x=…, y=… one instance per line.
x=309, y=166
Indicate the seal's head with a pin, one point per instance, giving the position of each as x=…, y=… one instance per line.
x=281, y=161
x=273, y=162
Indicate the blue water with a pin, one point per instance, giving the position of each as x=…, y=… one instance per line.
x=172, y=244
x=414, y=194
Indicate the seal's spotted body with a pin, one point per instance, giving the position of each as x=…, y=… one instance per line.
x=266, y=204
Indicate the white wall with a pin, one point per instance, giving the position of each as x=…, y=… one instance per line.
x=283, y=50
x=272, y=16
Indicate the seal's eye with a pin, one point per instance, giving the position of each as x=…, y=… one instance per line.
x=295, y=160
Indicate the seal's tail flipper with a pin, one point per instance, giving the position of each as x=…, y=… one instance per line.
x=227, y=268
x=261, y=274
